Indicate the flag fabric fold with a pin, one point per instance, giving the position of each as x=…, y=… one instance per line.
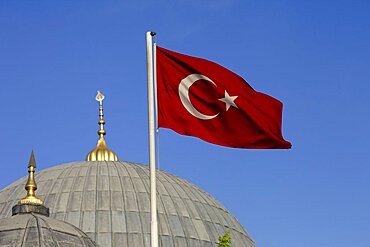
x=200, y=98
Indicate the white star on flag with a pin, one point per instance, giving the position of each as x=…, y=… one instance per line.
x=229, y=100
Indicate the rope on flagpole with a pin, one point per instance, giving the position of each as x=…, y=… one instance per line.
x=158, y=150
x=156, y=104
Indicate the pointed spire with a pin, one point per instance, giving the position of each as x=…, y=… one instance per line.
x=101, y=152
x=31, y=186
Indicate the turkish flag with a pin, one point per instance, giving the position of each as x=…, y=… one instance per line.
x=197, y=97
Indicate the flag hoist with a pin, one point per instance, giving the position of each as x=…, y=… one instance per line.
x=152, y=149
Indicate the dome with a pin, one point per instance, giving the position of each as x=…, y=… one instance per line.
x=34, y=229
x=110, y=202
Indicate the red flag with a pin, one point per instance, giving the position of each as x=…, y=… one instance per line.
x=200, y=98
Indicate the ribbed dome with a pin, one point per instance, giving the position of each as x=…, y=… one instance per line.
x=110, y=202
x=35, y=230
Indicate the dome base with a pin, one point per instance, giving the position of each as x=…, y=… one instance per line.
x=30, y=208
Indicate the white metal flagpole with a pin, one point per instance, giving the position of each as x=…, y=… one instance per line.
x=151, y=125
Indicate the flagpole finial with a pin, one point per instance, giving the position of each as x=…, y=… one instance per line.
x=31, y=186
x=101, y=152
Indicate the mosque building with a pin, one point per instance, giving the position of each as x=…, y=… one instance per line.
x=105, y=202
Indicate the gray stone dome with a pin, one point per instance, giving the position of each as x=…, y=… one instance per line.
x=110, y=202
x=36, y=230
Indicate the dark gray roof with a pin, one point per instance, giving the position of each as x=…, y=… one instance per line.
x=35, y=230
x=109, y=201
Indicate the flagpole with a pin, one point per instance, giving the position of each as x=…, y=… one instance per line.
x=151, y=128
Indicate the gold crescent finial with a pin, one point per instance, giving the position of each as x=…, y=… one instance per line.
x=101, y=152
x=31, y=186
x=100, y=97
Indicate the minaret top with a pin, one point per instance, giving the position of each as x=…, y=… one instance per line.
x=101, y=152
x=31, y=186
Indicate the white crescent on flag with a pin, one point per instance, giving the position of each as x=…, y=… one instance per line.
x=184, y=86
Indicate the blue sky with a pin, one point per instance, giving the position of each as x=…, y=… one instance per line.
x=312, y=55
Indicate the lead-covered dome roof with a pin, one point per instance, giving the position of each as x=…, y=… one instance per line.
x=36, y=230
x=110, y=202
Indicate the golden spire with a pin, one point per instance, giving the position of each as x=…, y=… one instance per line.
x=31, y=186
x=101, y=152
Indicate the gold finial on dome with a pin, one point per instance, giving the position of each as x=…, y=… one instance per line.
x=31, y=186
x=101, y=152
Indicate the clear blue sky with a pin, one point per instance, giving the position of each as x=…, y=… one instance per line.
x=312, y=55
